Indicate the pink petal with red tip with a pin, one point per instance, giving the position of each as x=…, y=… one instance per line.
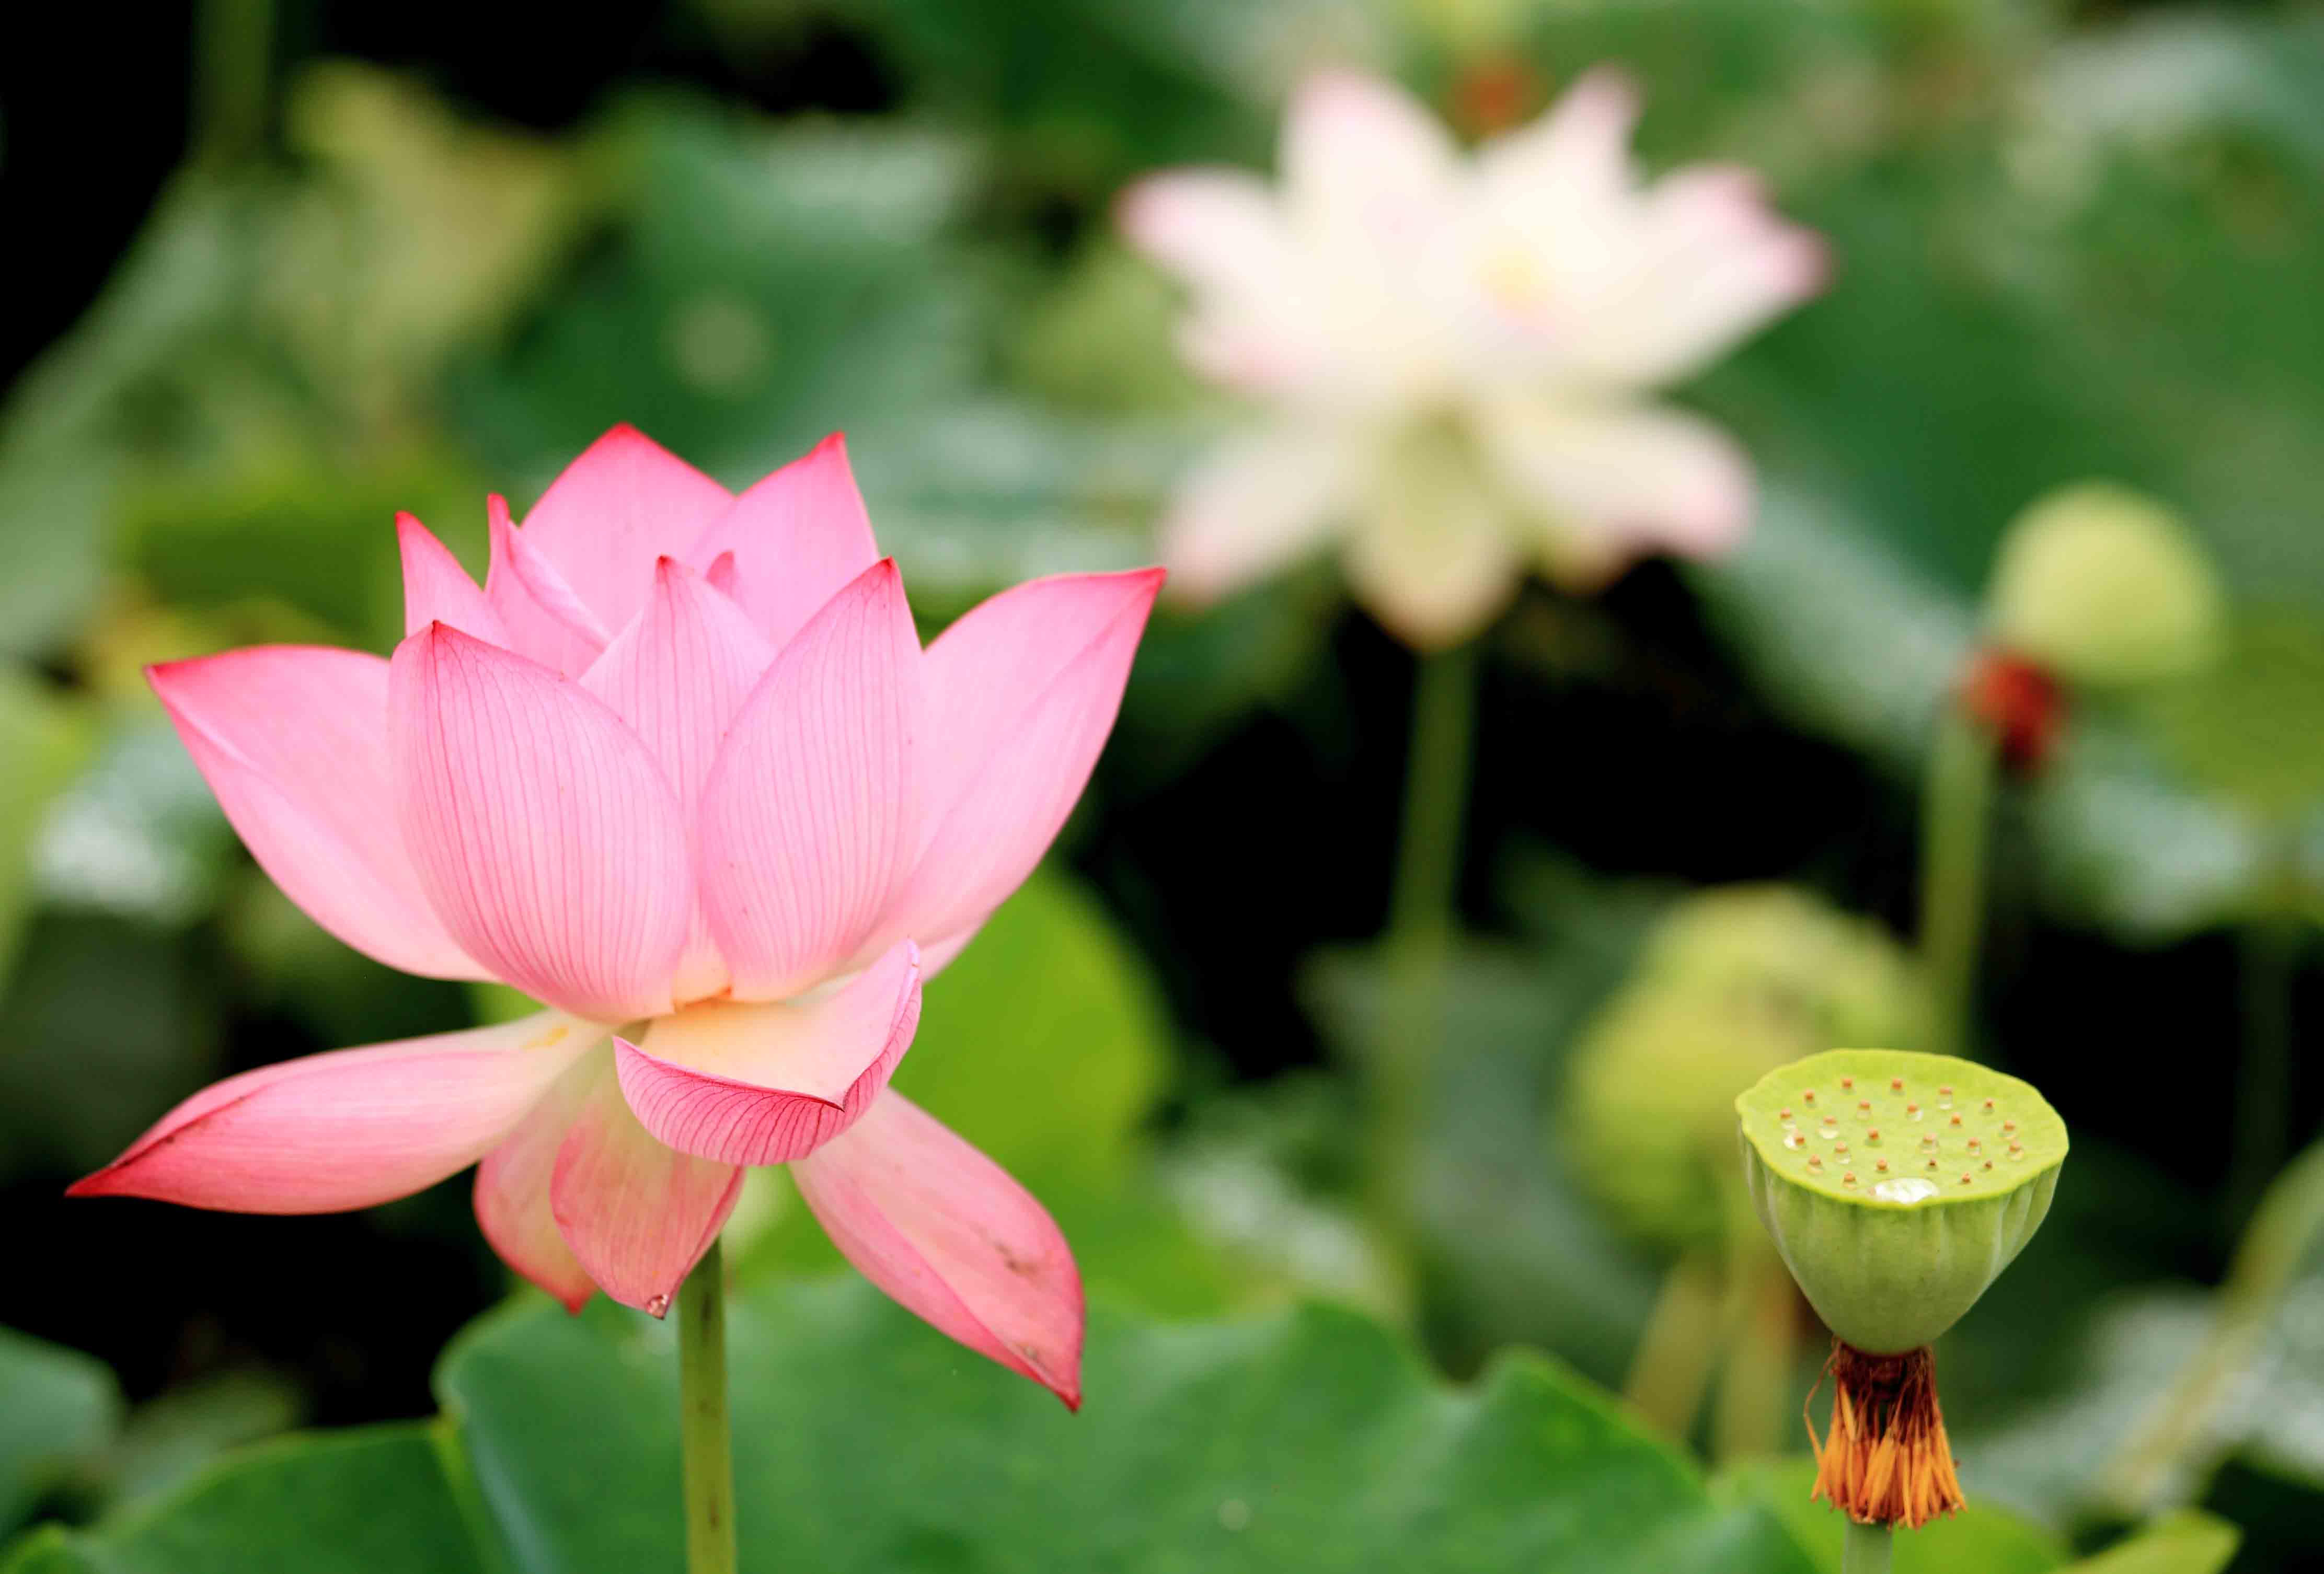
x=546, y=835
x=437, y=589
x=808, y=820
x=511, y=1192
x=625, y=501
x=346, y=1129
x=768, y=1084
x=944, y=1231
x=293, y=741
x=637, y=1214
x=545, y=619
x=799, y=537
x=1020, y=695
x=677, y=675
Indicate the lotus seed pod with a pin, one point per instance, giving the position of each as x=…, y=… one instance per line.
x=1895, y=1238
x=2106, y=587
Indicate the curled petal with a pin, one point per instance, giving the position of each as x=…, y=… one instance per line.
x=625, y=501
x=1220, y=230
x=350, y=1129
x=1021, y=693
x=293, y=741
x=944, y=1231
x=544, y=618
x=545, y=835
x=677, y=675
x=638, y=1215
x=808, y=820
x=768, y=1084
x=437, y=589
x=1251, y=507
x=799, y=537
x=1610, y=483
x=511, y=1193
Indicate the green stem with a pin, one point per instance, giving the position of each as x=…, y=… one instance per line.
x=706, y=1441
x=2269, y=967
x=2183, y=1437
x=1421, y=926
x=1867, y=1549
x=1956, y=805
x=1435, y=798
x=1761, y=1337
x=1672, y=1366
x=234, y=46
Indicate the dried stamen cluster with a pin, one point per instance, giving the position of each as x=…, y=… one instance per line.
x=1886, y=1460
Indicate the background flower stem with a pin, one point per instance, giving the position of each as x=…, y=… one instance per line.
x=1421, y=926
x=2268, y=968
x=1956, y=805
x=704, y=1438
x=1865, y=1551
x=235, y=45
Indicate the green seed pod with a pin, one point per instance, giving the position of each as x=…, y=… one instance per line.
x=2105, y=587
x=1898, y=1185
x=1731, y=984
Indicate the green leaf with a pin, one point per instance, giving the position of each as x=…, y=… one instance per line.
x=1981, y=1537
x=57, y=1408
x=2187, y=1542
x=373, y=1501
x=1307, y=1440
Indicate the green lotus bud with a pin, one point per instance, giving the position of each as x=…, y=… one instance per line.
x=2251, y=728
x=1896, y=1186
x=2106, y=587
x=1649, y=1106
x=1730, y=985
x=1840, y=978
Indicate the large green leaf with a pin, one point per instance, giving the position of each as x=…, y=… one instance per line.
x=376, y=1501
x=57, y=1407
x=1303, y=1440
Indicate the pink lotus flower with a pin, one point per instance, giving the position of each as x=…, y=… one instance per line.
x=682, y=771
x=1456, y=351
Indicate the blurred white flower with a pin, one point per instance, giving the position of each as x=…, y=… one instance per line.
x=1456, y=350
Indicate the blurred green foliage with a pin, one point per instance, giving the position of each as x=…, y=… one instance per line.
x=2073, y=241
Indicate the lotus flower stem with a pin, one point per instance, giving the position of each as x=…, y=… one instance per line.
x=1956, y=805
x=2178, y=1443
x=234, y=41
x=704, y=1438
x=2268, y=968
x=1865, y=1551
x=1435, y=798
x=1761, y=1342
x=1672, y=1366
x=1421, y=923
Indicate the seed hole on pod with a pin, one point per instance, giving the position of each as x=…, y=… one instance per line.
x=1848, y=1084
x=1956, y=1120
x=1964, y=1178
x=1873, y=1135
x=1896, y=1084
x=1840, y=1147
x=1848, y=1179
x=1911, y=1111
x=1807, y=1096
x=1880, y=1165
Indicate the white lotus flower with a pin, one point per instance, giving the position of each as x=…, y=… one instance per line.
x=1457, y=351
